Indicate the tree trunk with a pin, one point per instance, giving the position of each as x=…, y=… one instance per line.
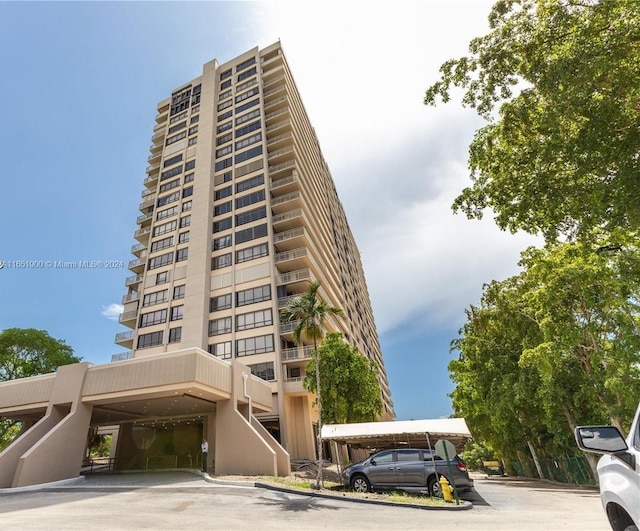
x=319, y=482
x=535, y=460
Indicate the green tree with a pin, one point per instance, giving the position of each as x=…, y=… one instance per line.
x=559, y=83
x=310, y=313
x=28, y=352
x=349, y=386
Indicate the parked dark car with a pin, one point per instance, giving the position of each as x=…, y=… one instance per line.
x=406, y=469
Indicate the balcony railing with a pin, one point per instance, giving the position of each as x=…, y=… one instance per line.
x=276, y=101
x=144, y=217
x=288, y=234
x=121, y=356
x=280, y=152
x=292, y=196
x=274, y=114
x=141, y=232
x=294, y=276
x=278, y=138
x=274, y=127
x=128, y=316
x=291, y=255
x=274, y=90
x=133, y=279
x=288, y=327
x=297, y=353
x=151, y=178
x=286, y=216
x=137, y=262
x=284, y=301
x=277, y=183
x=146, y=204
x=125, y=336
x=153, y=167
x=130, y=297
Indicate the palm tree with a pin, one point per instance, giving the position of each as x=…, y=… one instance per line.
x=311, y=313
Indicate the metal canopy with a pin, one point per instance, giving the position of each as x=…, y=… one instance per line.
x=402, y=433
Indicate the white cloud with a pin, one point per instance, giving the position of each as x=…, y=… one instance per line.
x=112, y=311
x=362, y=69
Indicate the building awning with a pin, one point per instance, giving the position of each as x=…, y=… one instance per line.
x=401, y=433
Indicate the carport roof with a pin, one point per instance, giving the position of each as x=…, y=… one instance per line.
x=398, y=433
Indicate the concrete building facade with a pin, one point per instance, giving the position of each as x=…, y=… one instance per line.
x=239, y=214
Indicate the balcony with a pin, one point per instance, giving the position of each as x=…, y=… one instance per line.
x=281, y=155
x=293, y=260
x=147, y=203
x=279, y=114
x=290, y=239
x=280, y=140
x=276, y=104
x=287, y=184
x=142, y=235
x=122, y=356
x=125, y=338
x=146, y=192
x=128, y=317
x=282, y=203
x=281, y=126
x=138, y=248
x=151, y=180
x=278, y=88
x=288, y=220
x=300, y=275
x=137, y=265
x=130, y=297
x=284, y=301
x=288, y=327
x=272, y=82
x=159, y=135
x=143, y=218
x=299, y=353
x=153, y=167
x=294, y=386
x=155, y=156
x=133, y=280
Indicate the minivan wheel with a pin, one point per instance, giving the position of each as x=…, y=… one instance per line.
x=360, y=484
x=434, y=487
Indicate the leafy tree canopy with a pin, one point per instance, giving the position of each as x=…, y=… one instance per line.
x=349, y=385
x=559, y=83
x=28, y=352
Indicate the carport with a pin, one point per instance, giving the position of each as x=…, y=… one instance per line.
x=397, y=434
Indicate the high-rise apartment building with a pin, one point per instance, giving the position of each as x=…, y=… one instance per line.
x=239, y=214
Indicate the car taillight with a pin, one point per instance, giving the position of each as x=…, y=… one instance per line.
x=461, y=467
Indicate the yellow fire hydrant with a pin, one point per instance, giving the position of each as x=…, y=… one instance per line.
x=446, y=489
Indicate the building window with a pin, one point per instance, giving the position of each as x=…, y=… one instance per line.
x=222, y=193
x=172, y=160
x=246, y=64
x=171, y=173
x=162, y=278
x=175, y=138
x=250, y=153
x=249, y=116
x=171, y=198
x=188, y=178
x=225, y=84
x=222, y=302
x=183, y=237
x=263, y=370
x=222, y=164
x=221, y=350
x=224, y=127
x=187, y=192
x=253, y=295
x=153, y=318
x=226, y=74
x=248, y=141
x=251, y=253
x=162, y=244
x=224, y=178
x=185, y=221
x=178, y=117
x=223, y=208
x=194, y=119
x=182, y=254
x=247, y=105
x=246, y=84
x=150, y=340
x=258, y=180
x=162, y=260
x=251, y=234
x=177, y=313
x=186, y=206
x=192, y=141
x=224, y=139
x=225, y=105
x=178, y=292
x=169, y=185
x=247, y=95
x=164, y=228
x=220, y=326
x=190, y=165
x=248, y=129
x=254, y=345
x=250, y=199
x=220, y=262
x=221, y=243
x=167, y=213
x=225, y=115
x=224, y=224
x=224, y=151
x=193, y=130
x=177, y=127
x=155, y=297
x=257, y=319
x=175, y=334
x=248, y=73
x=250, y=216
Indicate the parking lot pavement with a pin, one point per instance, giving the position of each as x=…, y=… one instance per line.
x=179, y=500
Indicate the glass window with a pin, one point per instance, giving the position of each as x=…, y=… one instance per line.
x=221, y=302
x=223, y=224
x=265, y=370
x=175, y=334
x=162, y=260
x=220, y=262
x=384, y=457
x=182, y=254
x=253, y=295
x=162, y=278
x=167, y=213
x=252, y=215
x=258, y=180
x=171, y=173
x=247, y=105
x=164, y=228
x=220, y=326
x=172, y=160
x=221, y=243
x=250, y=153
x=251, y=253
x=185, y=221
x=187, y=191
x=177, y=313
x=153, y=318
x=223, y=208
x=190, y=165
x=173, y=139
x=155, y=297
x=183, y=237
x=257, y=319
x=246, y=117
x=223, y=192
x=178, y=292
x=150, y=340
x=222, y=164
x=221, y=350
x=250, y=199
x=247, y=73
x=251, y=233
x=162, y=244
x=254, y=345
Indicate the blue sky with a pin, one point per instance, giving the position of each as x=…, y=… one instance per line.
x=80, y=83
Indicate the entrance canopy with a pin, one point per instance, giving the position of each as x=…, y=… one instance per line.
x=401, y=433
